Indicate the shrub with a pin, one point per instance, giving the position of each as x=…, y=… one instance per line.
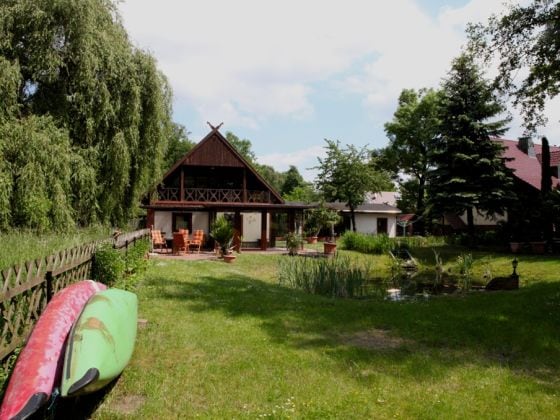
x=336, y=277
x=135, y=261
x=293, y=242
x=108, y=265
x=368, y=244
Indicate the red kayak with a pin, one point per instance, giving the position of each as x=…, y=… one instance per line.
x=38, y=366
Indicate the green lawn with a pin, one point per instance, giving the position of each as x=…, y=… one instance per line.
x=226, y=341
x=17, y=247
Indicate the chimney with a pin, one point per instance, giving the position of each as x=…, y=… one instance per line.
x=526, y=145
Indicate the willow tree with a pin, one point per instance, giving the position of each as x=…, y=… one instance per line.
x=76, y=64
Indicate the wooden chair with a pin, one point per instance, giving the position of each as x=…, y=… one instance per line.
x=158, y=240
x=180, y=242
x=197, y=240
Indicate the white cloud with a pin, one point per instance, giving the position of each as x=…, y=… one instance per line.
x=247, y=61
x=303, y=159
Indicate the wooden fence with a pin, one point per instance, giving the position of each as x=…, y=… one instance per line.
x=28, y=287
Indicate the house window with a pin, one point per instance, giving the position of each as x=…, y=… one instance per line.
x=381, y=225
x=182, y=221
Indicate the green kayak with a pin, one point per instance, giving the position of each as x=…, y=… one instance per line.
x=100, y=343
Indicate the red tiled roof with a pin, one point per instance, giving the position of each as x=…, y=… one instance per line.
x=555, y=158
x=407, y=217
x=527, y=168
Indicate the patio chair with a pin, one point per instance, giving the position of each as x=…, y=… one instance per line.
x=158, y=240
x=197, y=240
x=180, y=242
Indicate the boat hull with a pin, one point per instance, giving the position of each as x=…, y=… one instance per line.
x=38, y=366
x=101, y=342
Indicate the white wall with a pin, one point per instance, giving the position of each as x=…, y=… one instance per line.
x=163, y=221
x=252, y=226
x=367, y=223
x=200, y=221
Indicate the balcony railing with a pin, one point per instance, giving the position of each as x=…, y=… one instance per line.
x=213, y=195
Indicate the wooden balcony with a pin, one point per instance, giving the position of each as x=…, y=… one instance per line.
x=214, y=195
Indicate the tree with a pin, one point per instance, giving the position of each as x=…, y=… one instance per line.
x=71, y=62
x=244, y=147
x=524, y=38
x=468, y=167
x=546, y=191
x=411, y=133
x=303, y=194
x=293, y=179
x=178, y=145
x=345, y=175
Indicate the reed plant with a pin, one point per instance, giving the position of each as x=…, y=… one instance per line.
x=465, y=267
x=339, y=276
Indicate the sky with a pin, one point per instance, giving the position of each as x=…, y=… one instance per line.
x=289, y=74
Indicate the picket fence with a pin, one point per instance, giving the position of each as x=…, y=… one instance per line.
x=28, y=287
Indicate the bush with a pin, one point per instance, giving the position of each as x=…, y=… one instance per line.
x=368, y=244
x=336, y=277
x=108, y=265
x=293, y=243
x=135, y=257
x=118, y=268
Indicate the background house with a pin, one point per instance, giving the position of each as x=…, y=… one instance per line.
x=524, y=158
x=376, y=216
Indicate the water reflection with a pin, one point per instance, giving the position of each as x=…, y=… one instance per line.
x=413, y=286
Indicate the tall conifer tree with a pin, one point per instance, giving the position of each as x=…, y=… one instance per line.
x=469, y=172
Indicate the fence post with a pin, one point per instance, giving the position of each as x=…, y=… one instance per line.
x=49, y=280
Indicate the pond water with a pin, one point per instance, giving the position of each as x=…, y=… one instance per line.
x=415, y=286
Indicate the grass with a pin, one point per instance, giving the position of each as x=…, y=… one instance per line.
x=227, y=341
x=20, y=246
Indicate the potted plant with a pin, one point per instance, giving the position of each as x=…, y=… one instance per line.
x=293, y=243
x=222, y=232
x=323, y=217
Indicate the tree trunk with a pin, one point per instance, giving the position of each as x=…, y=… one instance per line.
x=470, y=226
x=353, y=218
x=420, y=226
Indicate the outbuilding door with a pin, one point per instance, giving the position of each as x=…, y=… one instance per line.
x=381, y=225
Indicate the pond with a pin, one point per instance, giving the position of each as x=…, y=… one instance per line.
x=417, y=286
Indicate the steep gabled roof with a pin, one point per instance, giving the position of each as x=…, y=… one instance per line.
x=526, y=168
x=215, y=150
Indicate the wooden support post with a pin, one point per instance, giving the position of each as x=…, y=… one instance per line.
x=264, y=229
x=291, y=221
x=150, y=218
x=49, y=284
x=238, y=231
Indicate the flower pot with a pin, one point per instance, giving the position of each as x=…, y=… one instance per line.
x=538, y=247
x=515, y=247
x=329, y=248
x=312, y=239
x=229, y=258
